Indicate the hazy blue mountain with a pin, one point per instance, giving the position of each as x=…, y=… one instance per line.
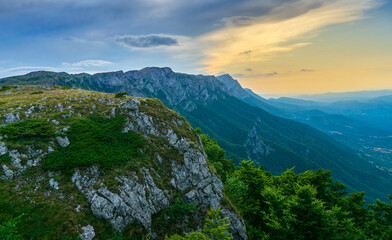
x=243, y=130
x=363, y=125
x=345, y=96
x=377, y=112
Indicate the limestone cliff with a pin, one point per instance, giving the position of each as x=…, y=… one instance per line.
x=134, y=196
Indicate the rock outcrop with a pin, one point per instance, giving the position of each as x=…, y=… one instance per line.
x=138, y=194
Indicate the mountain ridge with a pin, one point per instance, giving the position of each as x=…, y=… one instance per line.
x=243, y=130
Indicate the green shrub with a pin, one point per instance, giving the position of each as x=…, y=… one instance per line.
x=65, y=87
x=5, y=159
x=28, y=128
x=37, y=92
x=9, y=231
x=120, y=94
x=96, y=140
x=180, y=209
x=5, y=88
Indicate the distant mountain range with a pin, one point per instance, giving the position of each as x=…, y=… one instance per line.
x=364, y=125
x=374, y=111
x=243, y=123
x=345, y=96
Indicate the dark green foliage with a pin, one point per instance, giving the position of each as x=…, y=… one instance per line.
x=5, y=88
x=5, y=159
x=309, y=205
x=180, y=209
x=37, y=92
x=216, y=227
x=96, y=140
x=9, y=231
x=29, y=128
x=216, y=156
x=120, y=94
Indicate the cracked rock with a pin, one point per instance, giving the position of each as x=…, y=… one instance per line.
x=63, y=141
x=88, y=233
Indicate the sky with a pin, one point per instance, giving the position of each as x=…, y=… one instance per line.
x=281, y=47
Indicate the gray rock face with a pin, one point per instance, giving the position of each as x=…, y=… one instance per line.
x=233, y=86
x=62, y=141
x=3, y=149
x=236, y=224
x=256, y=148
x=132, y=203
x=138, y=199
x=8, y=173
x=53, y=184
x=33, y=159
x=12, y=118
x=88, y=233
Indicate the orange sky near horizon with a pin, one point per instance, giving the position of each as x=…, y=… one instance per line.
x=337, y=47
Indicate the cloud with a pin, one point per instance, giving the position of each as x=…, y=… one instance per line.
x=268, y=74
x=88, y=63
x=254, y=75
x=26, y=68
x=5, y=72
x=278, y=31
x=246, y=52
x=147, y=41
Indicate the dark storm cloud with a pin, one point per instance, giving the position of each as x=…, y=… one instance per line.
x=99, y=18
x=146, y=41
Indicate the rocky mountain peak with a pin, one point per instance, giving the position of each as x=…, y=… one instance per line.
x=233, y=86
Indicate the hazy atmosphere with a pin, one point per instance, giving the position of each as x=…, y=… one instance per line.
x=273, y=47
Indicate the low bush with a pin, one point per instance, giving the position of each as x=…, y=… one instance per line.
x=120, y=94
x=37, y=92
x=5, y=88
x=180, y=209
x=96, y=140
x=9, y=231
x=28, y=128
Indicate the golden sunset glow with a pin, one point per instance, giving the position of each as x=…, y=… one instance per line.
x=275, y=54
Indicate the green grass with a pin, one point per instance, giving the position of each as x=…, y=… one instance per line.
x=96, y=140
x=48, y=217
